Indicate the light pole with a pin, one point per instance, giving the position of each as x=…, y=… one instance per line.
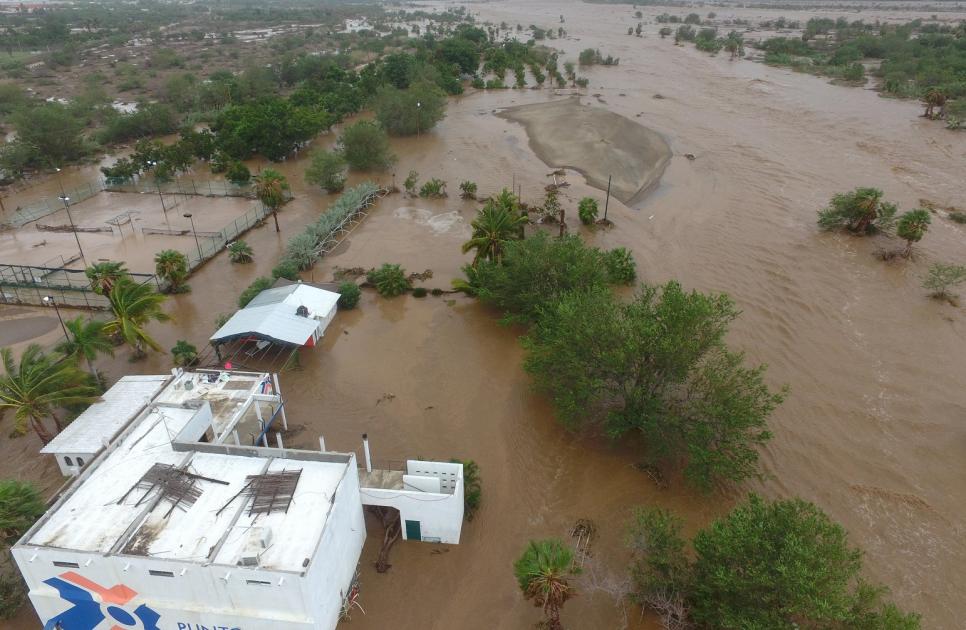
x=73, y=229
x=49, y=301
x=418, y=108
x=190, y=217
x=158, y=184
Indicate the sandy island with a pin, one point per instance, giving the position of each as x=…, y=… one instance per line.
x=595, y=142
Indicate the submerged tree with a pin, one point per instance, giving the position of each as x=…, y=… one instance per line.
x=172, y=267
x=657, y=366
x=861, y=212
x=494, y=226
x=134, y=306
x=912, y=226
x=941, y=278
x=20, y=507
x=240, y=252
x=39, y=385
x=365, y=147
x=327, y=170
x=543, y=573
x=103, y=275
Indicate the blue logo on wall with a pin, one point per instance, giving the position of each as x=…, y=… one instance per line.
x=88, y=613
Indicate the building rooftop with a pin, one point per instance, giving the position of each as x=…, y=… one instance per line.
x=274, y=315
x=168, y=488
x=104, y=419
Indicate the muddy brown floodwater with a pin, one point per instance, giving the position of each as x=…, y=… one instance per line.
x=872, y=430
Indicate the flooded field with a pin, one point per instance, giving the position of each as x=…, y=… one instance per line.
x=872, y=429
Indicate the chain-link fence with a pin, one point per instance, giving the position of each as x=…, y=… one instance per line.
x=47, y=206
x=184, y=186
x=25, y=284
x=208, y=245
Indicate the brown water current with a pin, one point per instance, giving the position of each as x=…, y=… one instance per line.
x=873, y=427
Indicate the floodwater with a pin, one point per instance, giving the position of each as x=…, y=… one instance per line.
x=872, y=429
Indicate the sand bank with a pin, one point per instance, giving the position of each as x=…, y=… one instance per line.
x=595, y=142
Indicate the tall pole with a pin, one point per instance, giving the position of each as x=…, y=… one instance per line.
x=607, y=202
x=73, y=229
x=158, y=185
x=418, y=108
x=49, y=299
x=190, y=217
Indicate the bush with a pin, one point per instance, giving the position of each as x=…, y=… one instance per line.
x=349, y=295
x=412, y=180
x=237, y=173
x=327, y=170
x=587, y=210
x=365, y=147
x=390, y=280
x=433, y=188
x=472, y=487
x=957, y=216
x=940, y=278
x=468, y=190
x=301, y=251
x=184, y=354
x=420, y=292
x=286, y=268
x=861, y=212
x=240, y=252
x=621, y=268
x=20, y=506
x=412, y=111
x=256, y=287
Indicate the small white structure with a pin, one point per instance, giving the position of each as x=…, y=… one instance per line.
x=295, y=314
x=188, y=520
x=100, y=423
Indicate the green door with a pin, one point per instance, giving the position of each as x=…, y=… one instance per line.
x=412, y=531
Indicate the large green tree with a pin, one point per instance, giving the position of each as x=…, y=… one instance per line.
x=40, y=384
x=412, y=111
x=272, y=127
x=327, y=170
x=861, y=211
x=657, y=366
x=134, y=306
x=543, y=574
x=768, y=565
x=365, y=147
x=52, y=132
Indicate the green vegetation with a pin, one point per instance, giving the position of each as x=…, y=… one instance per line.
x=238, y=174
x=184, y=354
x=133, y=306
x=587, y=210
x=252, y=290
x=779, y=564
x=435, y=188
x=349, y=295
x=36, y=387
x=498, y=222
x=104, y=275
x=20, y=507
x=171, y=267
x=543, y=574
x=468, y=189
x=390, y=280
x=365, y=147
x=861, y=212
x=327, y=170
x=941, y=278
x=412, y=181
x=240, y=252
x=912, y=226
x=590, y=57
x=472, y=487
x=621, y=268
x=270, y=188
x=411, y=111
x=87, y=339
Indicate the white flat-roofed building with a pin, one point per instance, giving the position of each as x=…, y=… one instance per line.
x=177, y=524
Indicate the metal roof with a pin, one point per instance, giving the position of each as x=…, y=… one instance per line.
x=272, y=315
x=104, y=419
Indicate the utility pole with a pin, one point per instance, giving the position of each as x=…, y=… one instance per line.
x=607, y=202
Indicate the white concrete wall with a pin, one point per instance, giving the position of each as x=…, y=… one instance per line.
x=73, y=469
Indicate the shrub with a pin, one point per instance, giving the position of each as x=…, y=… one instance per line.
x=240, y=252
x=940, y=278
x=184, y=354
x=957, y=216
x=286, y=268
x=433, y=188
x=587, y=210
x=349, y=295
x=390, y=280
x=20, y=505
x=301, y=251
x=412, y=180
x=172, y=267
x=468, y=190
x=861, y=212
x=621, y=268
x=256, y=287
x=411, y=111
x=237, y=173
x=327, y=171
x=472, y=487
x=419, y=292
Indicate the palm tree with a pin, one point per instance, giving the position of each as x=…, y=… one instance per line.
x=88, y=340
x=134, y=305
x=933, y=98
x=912, y=227
x=103, y=275
x=542, y=573
x=493, y=228
x=270, y=187
x=184, y=354
x=38, y=386
x=20, y=506
x=171, y=266
x=240, y=252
